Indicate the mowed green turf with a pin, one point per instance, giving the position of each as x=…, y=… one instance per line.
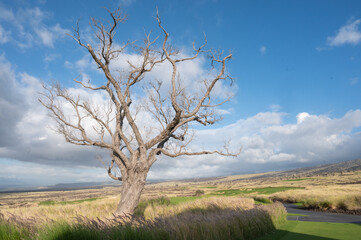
x=295, y=214
x=297, y=230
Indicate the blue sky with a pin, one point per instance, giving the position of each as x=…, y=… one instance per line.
x=296, y=70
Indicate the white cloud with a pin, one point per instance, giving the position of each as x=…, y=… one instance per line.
x=30, y=27
x=348, y=34
x=267, y=142
x=275, y=107
x=31, y=128
x=45, y=36
x=262, y=50
x=12, y=105
x=4, y=35
x=50, y=57
x=26, y=130
x=68, y=64
x=12, y=171
x=190, y=73
x=302, y=116
x=85, y=63
x=270, y=144
x=6, y=14
x=281, y=157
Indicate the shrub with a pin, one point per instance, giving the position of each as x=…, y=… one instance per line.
x=163, y=200
x=310, y=203
x=199, y=193
x=47, y=203
x=342, y=205
x=325, y=204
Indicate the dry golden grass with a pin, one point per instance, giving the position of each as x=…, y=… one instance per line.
x=199, y=205
x=332, y=195
x=101, y=208
x=333, y=188
x=224, y=223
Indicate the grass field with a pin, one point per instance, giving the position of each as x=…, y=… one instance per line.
x=296, y=230
x=296, y=179
x=223, y=207
x=265, y=190
x=51, y=202
x=208, y=218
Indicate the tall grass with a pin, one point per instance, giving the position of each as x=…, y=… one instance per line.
x=204, y=219
x=334, y=197
x=12, y=232
x=264, y=190
x=51, y=202
x=101, y=208
x=204, y=205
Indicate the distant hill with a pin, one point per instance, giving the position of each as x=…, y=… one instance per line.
x=347, y=166
x=60, y=187
x=65, y=186
x=341, y=167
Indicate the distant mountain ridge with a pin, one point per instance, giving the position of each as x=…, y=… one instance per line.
x=347, y=166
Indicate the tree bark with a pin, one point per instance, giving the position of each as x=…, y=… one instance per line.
x=132, y=188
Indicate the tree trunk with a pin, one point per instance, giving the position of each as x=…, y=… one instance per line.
x=132, y=188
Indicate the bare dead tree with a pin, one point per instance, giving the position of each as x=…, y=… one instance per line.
x=114, y=126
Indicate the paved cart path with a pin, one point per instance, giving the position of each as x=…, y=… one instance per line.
x=313, y=216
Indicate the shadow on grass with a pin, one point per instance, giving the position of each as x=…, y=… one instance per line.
x=210, y=224
x=286, y=235
x=294, y=230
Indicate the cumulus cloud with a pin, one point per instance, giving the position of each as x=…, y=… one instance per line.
x=26, y=130
x=267, y=141
x=39, y=143
x=347, y=34
x=12, y=105
x=191, y=74
x=16, y=174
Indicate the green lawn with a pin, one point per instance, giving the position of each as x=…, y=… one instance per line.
x=297, y=230
x=295, y=214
